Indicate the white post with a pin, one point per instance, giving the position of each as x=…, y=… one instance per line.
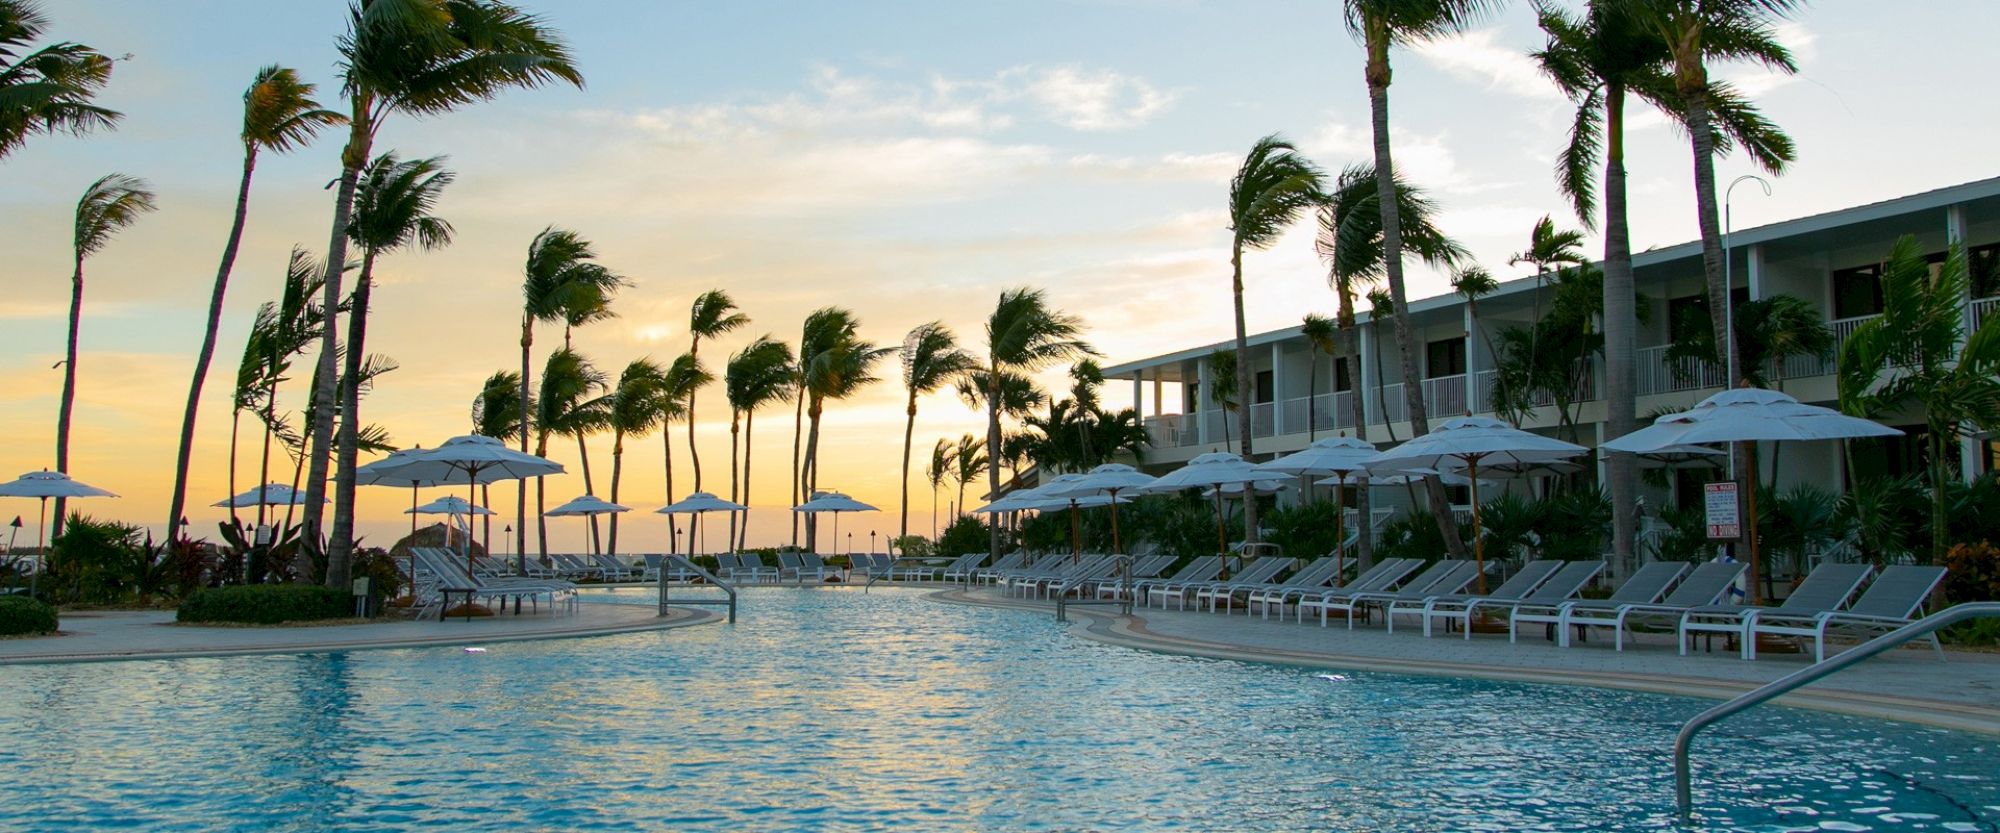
x=1277, y=389
x=1472, y=342
x=1954, y=231
x=1202, y=395
x=1365, y=340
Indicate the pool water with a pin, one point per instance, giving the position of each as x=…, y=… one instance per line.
x=831, y=710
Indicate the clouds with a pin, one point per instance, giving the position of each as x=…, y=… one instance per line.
x=1479, y=56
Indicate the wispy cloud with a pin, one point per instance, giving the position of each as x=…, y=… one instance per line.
x=1480, y=57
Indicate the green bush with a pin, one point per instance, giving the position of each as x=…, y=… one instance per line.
x=267, y=604
x=20, y=614
x=1303, y=530
x=967, y=534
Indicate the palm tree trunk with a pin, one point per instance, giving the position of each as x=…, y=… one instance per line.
x=1381, y=387
x=340, y=546
x=811, y=476
x=521, y=487
x=617, y=470
x=673, y=525
x=1312, y=393
x=583, y=453
x=270, y=416
x=694, y=448
x=68, y=390
x=235, y=422
x=1392, y=261
x=909, y=435
x=541, y=504
x=298, y=471
x=319, y=436
x=992, y=457
x=207, y=353
x=734, y=422
x=749, y=433
x=1363, y=511
x=1244, y=376
x=798, y=428
x=1711, y=229
x=1620, y=334
x=486, y=521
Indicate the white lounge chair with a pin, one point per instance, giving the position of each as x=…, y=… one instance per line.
x=1644, y=587
x=1826, y=589
x=1891, y=601
x=1432, y=581
x=1568, y=581
x=1516, y=587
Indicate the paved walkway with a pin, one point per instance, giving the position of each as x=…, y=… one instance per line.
x=116, y=635
x=1961, y=693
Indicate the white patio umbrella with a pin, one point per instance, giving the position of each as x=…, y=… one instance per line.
x=1748, y=415
x=269, y=494
x=696, y=504
x=1338, y=456
x=46, y=484
x=472, y=460
x=836, y=503
x=584, y=506
x=1467, y=443
x=1682, y=456
x=1052, y=495
x=1405, y=478
x=1108, y=480
x=1216, y=468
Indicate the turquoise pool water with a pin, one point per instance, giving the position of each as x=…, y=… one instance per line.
x=834, y=711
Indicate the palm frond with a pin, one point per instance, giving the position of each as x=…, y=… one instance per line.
x=109, y=205
x=279, y=112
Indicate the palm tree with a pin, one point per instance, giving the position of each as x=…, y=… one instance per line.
x=1548, y=247
x=295, y=323
x=561, y=276
x=496, y=413
x=1269, y=190
x=1919, y=353
x=248, y=390
x=279, y=114
x=569, y=405
x=1768, y=331
x=713, y=314
x=684, y=376
x=110, y=204
x=1472, y=283
x=1321, y=334
x=931, y=358
x=637, y=408
x=835, y=375
x=47, y=90
x=757, y=375
x=940, y=469
x=1023, y=335
x=392, y=209
x=821, y=338
x=1695, y=31
x=1381, y=308
x=421, y=58
x=1222, y=376
x=968, y=460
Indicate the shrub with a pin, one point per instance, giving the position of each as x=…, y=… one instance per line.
x=384, y=579
x=1577, y=525
x=967, y=534
x=267, y=604
x=1414, y=535
x=913, y=546
x=1303, y=530
x=21, y=615
x=1975, y=572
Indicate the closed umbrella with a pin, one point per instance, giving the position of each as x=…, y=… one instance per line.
x=46, y=484
x=1748, y=415
x=1467, y=443
x=1108, y=480
x=836, y=503
x=1341, y=457
x=1216, y=468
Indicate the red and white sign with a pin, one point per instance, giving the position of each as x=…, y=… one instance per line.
x=1724, y=515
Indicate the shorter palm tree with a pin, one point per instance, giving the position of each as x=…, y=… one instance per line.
x=570, y=405
x=684, y=376
x=943, y=463
x=1024, y=335
x=758, y=375
x=637, y=408
x=109, y=205
x=969, y=460
x=713, y=314
x=496, y=413
x=1320, y=333
x=561, y=277
x=931, y=358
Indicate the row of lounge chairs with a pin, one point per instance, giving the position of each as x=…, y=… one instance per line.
x=441, y=574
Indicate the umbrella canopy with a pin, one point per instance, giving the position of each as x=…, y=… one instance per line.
x=1235, y=490
x=269, y=494
x=48, y=484
x=1015, y=502
x=1211, y=469
x=1405, y=478
x=1332, y=455
x=1748, y=415
x=448, y=506
x=1110, y=478
x=1085, y=502
x=469, y=459
x=587, y=505
x=833, y=502
x=695, y=504
x=384, y=472
x=1682, y=456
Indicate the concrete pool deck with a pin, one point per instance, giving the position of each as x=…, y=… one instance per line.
x=1962, y=693
x=122, y=635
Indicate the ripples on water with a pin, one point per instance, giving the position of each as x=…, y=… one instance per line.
x=833, y=710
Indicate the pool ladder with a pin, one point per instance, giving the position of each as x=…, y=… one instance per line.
x=1683, y=777
x=1124, y=600
x=729, y=590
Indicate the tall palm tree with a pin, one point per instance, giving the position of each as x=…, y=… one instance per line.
x=1222, y=375
x=1381, y=308
x=713, y=314
x=1023, y=335
x=1321, y=334
x=637, y=408
x=48, y=89
x=1381, y=25
x=835, y=376
x=820, y=338
x=684, y=376
x=931, y=359
x=968, y=461
x=1270, y=189
x=570, y=405
x=420, y=58
x=758, y=375
x=110, y=204
x=940, y=469
x=496, y=413
x=392, y=209
x=279, y=114
x=1695, y=32
x=561, y=276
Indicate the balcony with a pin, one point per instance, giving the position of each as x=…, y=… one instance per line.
x=1329, y=412
x=1165, y=430
x=1262, y=422
x=1983, y=310
x=1444, y=396
x=1659, y=374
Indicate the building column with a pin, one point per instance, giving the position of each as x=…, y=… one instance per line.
x=1472, y=363
x=1138, y=394
x=1201, y=396
x=1753, y=271
x=1278, y=426
x=1364, y=387
x=1969, y=449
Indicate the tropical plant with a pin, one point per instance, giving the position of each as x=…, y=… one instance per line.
x=1578, y=522
x=636, y=408
x=1271, y=188
x=561, y=275
x=1024, y=334
x=496, y=413
x=1321, y=334
x=393, y=208
x=279, y=114
x=419, y=58
x=1917, y=352
x=1550, y=359
x=838, y=366
x=1381, y=308
x=1768, y=331
x=1472, y=283
x=820, y=339
x=109, y=205
x=758, y=375
x=969, y=460
x=931, y=359
x=1886, y=516
x=1222, y=375
x=1305, y=529
x=965, y=534
x=1075, y=437
x=569, y=405
x=48, y=89
x=1685, y=537
x=1548, y=247
x=684, y=375
x=1796, y=524
x=940, y=469
x=284, y=329
x=713, y=314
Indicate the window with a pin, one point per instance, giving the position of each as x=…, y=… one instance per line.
x=1857, y=291
x=1687, y=316
x=1341, y=379
x=1983, y=262
x=1445, y=357
x=1194, y=403
x=1267, y=387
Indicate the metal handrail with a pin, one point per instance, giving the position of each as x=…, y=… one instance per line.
x=1683, y=779
x=710, y=577
x=1124, y=600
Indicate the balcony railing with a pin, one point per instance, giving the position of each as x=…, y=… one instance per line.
x=1444, y=396
x=1984, y=309
x=1329, y=412
x=1166, y=431
x=1659, y=374
x=1390, y=406
x=1261, y=423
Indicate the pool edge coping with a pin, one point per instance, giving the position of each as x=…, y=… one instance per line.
x=1131, y=632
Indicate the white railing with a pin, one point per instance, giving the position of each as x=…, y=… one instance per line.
x=1658, y=374
x=1221, y=425
x=1983, y=309
x=1444, y=396
x=1798, y=367
x=1261, y=423
x=1390, y=405
x=1167, y=431
x=1483, y=384
x=1844, y=327
x=1329, y=412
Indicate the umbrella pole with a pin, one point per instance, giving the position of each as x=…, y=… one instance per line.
x=1117, y=547
x=1750, y=465
x=1221, y=536
x=1075, y=538
x=1339, y=530
x=41, y=548
x=1478, y=540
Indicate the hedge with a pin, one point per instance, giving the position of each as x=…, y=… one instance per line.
x=266, y=604
x=20, y=615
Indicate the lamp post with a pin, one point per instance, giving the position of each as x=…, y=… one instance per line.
x=1729, y=290
x=507, y=540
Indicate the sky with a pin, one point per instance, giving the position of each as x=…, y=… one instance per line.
x=906, y=160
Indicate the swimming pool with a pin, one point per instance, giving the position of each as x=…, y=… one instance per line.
x=835, y=710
